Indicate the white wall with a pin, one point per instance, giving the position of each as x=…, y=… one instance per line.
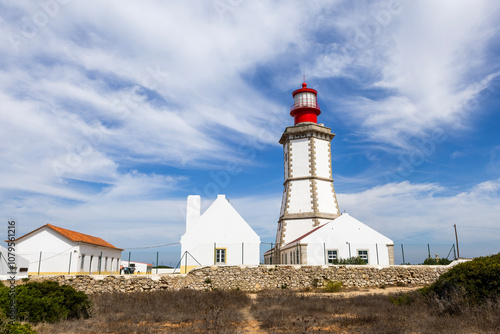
x=296, y=228
x=342, y=233
x=108, y=255
x=222, y=226
x=19, y=262
x=326, y=197
x=300, y=196
x=140, y=267
x=323, y=164
x=236, y=253
x=300, y=157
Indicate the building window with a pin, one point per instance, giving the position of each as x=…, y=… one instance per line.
x=220, y=255
x=90, y=265
x=106, y=264
x=83, y=262
x=293, y=257
x=286, y=258
x=363, y=255
x=332, y=255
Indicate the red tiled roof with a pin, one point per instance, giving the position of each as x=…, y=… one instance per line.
x=75, y=236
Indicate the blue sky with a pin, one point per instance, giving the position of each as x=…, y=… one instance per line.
x=113, y=113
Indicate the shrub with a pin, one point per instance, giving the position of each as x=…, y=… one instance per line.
x=333, y=286
x=478, y=280
x=7, y=327
x=402, y=299
x=350, y=260
x=208, y=280
x=17, y=328
x=46, y=302
x=442, y=262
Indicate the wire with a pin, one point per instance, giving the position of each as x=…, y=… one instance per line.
x=482, y=227
x=416, y=235
x=147, y=247
x=50, y=257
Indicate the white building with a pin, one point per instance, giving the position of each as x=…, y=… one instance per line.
x=53, y=250
x=15, y=259
x=138, y=268
x=341, y=238
x=309, y=200
x=220, y=236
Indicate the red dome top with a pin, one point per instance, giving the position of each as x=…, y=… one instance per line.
x=304, y=89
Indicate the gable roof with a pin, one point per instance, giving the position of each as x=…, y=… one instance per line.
x=306, y=234
x=74, y=236
x=343, y=225
x=221, y=222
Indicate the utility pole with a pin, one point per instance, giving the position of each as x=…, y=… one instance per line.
x=456, y=238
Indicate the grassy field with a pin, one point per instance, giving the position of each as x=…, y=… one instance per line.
x=280, y=312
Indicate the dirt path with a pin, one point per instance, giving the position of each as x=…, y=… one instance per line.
x=251, y=325
x=366, y=291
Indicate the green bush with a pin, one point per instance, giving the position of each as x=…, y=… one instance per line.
x=478, y=280
x=350, y=260
x=17, y=328
x=402, y=299
x=46, y=302
x=7, y=327
x=333, y=286
x=442, y=262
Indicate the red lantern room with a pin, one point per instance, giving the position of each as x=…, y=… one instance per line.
x=305, y=107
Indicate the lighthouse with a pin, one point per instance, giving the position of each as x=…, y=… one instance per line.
x=311, y=229
x=309, y=198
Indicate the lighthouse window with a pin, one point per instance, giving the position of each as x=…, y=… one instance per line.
x=363, y=255
x=286, y=156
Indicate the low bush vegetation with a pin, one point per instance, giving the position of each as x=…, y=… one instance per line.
x=46, y=302
x=475, y=281
x=464, y=300
x=442, y=262
x=8, y=327
x=332, y=286
x=350, y=260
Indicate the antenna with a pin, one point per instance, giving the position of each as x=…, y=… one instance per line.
x=304, y=73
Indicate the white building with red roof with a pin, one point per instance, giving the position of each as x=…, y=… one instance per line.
x=53, y=250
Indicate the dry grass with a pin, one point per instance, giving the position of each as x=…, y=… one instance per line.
x=284, y=311
x=280, y=312
x=184, y=311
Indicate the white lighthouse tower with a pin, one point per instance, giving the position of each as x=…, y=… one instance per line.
x=311, y=229
x=309, y=198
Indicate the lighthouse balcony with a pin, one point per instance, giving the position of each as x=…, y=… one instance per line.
x=304, y=104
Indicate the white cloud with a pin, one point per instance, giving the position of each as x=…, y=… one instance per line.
x=104, y=88
x=403, y=210
x=428, y=60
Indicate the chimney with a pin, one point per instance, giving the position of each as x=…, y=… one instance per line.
x=193, y=211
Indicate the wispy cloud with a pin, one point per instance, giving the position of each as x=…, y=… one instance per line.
x=107, y=108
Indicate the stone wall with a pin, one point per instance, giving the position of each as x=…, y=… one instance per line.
x=254, y=278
